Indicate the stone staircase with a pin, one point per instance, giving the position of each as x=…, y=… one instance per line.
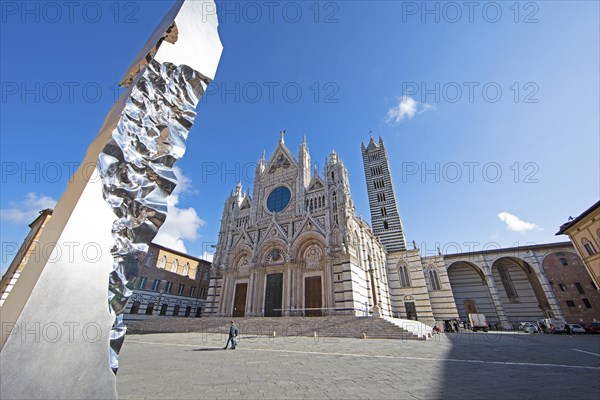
x=328, y=326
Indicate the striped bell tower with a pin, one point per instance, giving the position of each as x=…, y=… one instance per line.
x=385, y=219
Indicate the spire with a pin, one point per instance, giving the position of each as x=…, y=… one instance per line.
x=281, y=133
x=238, y=189
x=372, y=145
x=333, y=156
x=304, y=140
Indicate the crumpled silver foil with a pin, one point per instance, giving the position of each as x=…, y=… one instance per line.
x=136, y=168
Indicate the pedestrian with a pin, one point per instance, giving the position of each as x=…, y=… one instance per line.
x=233, y=332
x=456, y=328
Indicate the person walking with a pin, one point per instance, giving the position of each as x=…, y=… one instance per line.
x=233, y=332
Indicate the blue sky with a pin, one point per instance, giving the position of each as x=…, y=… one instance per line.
x=466, y=94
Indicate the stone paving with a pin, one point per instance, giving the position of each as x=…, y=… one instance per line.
x=449, y=366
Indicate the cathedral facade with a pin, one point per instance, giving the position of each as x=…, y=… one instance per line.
x=295, y=247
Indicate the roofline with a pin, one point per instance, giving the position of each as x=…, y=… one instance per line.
x=530, y=247
x=567, y=225
x=43, y=213
x=179, y=253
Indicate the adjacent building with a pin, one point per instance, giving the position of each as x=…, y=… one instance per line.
x=169, y=283
x=29, y=248
x=584, y=232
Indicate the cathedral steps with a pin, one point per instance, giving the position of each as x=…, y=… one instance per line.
x=329, y=326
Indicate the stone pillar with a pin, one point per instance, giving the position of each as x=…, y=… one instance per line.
x=249, y=296
x=376, y=310
x=546, y=287
x=497, y=301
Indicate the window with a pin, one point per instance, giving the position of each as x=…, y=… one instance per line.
x=588, y=247
x=434, y=279
x=507, y=282
x=570, y=303
x=188, y=311
x=169, y=286
x=403, y=276
x=135, y=307
x=155, y=285
x=385, y=225
x=198, y=312
x=563, y=261
x=579, y=288
x=163, y=309
x=141, y=284
x=202, y=292
x=192, y=291
x=562, y=287
x=176, y=311
x=205, y=274
x=180, y=289
x=278, y=199
x=150, y=309
x=383, y=212
x=587, y=303
x=150, y=260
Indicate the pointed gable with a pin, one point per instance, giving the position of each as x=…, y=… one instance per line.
x=316, y=183
x=282, y=159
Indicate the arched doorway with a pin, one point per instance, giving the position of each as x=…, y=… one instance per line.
x=520, y=290
x=471, y=291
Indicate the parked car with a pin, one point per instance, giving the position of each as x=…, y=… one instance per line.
x=594, y=327
x=576, y=328
x=530, y=328
x=522, y=325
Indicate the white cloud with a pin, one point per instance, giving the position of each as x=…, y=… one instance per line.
x=27, y=210
x=182, y=223
x=516, y=224
x=407, y=108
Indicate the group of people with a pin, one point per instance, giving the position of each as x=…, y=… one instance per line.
x=452, y=326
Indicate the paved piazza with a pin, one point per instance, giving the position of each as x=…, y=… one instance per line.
x=463, y=366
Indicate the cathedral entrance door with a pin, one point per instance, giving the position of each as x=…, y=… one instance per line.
x=411, y=311
x=313, y=296
x=239, y=301
x=273, y=295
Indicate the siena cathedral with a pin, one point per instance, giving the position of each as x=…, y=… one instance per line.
x=296, y=248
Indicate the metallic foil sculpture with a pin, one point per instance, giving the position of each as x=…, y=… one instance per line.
x=136, y=167
x=55, y=337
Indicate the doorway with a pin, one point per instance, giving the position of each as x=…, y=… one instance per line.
x=312, y=296
x=239, y=300
x=411, y=310
x=274, y=295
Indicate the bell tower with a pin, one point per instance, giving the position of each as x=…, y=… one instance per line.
x=385, y=219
